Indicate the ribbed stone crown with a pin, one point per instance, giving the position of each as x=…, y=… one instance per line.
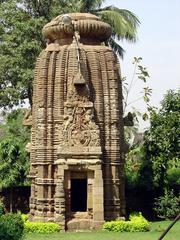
x=88, y=26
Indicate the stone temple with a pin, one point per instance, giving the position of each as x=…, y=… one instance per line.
x=77, y=141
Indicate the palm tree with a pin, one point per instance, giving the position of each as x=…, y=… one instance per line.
x=24, y=20
x=124, y=23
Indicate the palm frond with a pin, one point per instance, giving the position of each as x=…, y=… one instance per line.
x=89, y=5
x=116, y=47
x=123, y=22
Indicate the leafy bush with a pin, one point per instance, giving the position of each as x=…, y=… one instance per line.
x=137, y=223
x=24, y=217
x=161, y=141
x=173, y=176
x=116, y=226
x=11, y=227
x=2, y=208
x=41, y=227
x=167, y=206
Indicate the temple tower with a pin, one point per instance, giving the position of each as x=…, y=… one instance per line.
x=77, y=141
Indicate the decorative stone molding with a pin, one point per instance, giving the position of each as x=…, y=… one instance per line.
x=88, y=26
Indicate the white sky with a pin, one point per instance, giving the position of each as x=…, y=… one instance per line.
x=158, y=44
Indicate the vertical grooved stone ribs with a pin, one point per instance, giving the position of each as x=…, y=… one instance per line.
x=77, y=124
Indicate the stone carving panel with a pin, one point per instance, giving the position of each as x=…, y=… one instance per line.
x=79, y=128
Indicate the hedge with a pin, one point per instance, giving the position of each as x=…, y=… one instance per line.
x=137, y=223
x=41, y=227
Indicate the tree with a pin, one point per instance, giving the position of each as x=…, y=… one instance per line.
x=20, y=44
x=152, y=165
x=21, y=22
x=123, y=22
x=131, y=119
x=162, y=140
x=14, y=160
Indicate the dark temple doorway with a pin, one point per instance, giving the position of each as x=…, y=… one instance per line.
x=78, y=195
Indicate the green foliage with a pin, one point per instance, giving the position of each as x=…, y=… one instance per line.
x=133, y=164
x=162, y=141
x=167, y=206
x=173, y=176
x=116, y=226
x=156, y=230
x=139, y=73
x=137, y=223
x=152, y=165
x=21, y=23
x=24, y=217
x=20, y=45
x=2, y=208
x=14, y=160
x=41, y=227
x=123, y=22
x=11, y=227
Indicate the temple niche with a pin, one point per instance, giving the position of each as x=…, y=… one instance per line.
x=77, y=140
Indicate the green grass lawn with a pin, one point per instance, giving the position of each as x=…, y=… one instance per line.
x=156, y=230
